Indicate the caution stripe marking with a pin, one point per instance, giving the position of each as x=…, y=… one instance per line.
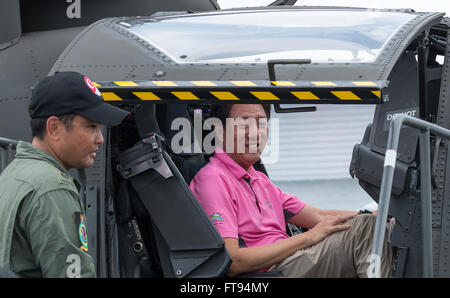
x=146, y=96
x=244, y=91
x=346, y=95
x=111, y=96
x=305, y=95
x=224, y=95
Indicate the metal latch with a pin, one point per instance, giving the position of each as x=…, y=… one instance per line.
x=145, y=155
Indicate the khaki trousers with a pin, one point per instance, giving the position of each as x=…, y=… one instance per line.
x=342, y=254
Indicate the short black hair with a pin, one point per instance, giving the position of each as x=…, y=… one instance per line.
x=39, y=125
x=222, y=111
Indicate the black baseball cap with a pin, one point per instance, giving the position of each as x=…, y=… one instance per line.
x=72, y=92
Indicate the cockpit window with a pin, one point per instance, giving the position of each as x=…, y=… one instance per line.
x=324, y=36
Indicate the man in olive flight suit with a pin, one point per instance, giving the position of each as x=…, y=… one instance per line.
x=42, y=221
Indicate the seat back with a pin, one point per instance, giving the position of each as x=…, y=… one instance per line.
x=178, y=237
x=190, y=160
x=368, y=164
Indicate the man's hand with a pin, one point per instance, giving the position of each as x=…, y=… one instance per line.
x=328, y=225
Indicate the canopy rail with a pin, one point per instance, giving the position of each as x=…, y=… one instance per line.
x=275, y=92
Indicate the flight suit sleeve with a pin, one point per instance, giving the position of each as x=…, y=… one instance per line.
x=56, y=230
x=216, y=199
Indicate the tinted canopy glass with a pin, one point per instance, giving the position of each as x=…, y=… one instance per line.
x=324, y=36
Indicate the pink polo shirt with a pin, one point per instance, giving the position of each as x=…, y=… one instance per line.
x=254, y=215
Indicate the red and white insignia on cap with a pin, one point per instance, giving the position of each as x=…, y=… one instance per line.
x=91, y=86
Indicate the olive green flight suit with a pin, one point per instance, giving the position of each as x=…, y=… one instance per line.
x=42, y=223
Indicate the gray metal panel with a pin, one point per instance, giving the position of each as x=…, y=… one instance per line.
x=441, y=194
x=403, y=98
x=95, y=175
x=94, y=180
x=100, y=52
x=10, y=28
x=57, y=14
x=91, y=207
x=22, y=66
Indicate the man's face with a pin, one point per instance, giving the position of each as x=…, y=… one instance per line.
x=248, y=130
x=78, y=145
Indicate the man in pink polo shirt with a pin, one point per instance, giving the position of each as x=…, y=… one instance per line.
x=251, y=213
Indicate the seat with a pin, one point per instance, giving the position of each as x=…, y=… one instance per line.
x=190, y=163
x=157, y=256
x=163, y=232
x=368, y=163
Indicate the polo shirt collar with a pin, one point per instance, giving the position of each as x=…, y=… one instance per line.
x=232, y=166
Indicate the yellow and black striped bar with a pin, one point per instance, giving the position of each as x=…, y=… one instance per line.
x=282, y=92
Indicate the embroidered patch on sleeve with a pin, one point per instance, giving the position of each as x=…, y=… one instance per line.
x=80, y=225
x=216, y=218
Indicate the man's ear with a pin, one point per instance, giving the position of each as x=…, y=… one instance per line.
x=54, y=128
